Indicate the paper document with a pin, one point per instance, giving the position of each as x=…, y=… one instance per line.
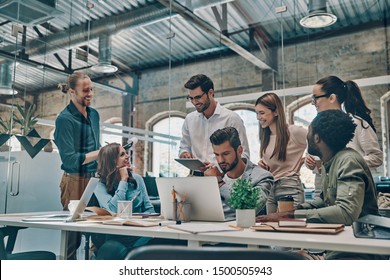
x=132, y=222
x=201, y=228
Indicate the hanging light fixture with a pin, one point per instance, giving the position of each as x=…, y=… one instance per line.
x=318, y=16
x=6, y=79
x=104, y=65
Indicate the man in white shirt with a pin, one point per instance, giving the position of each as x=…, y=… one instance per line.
x=208, y=117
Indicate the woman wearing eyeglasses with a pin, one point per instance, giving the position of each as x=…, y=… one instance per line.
x=282, y=148
x=333, y=93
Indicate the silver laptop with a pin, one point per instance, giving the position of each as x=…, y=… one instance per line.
x=87, y=194
x=201, y=192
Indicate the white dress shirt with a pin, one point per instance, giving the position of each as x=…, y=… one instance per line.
x=197, y=130
x=365, y=142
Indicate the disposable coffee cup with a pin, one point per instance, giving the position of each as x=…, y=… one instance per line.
x=286, y=204
x=124, y=209
x=72, y=205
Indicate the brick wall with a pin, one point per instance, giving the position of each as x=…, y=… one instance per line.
x=357, y=55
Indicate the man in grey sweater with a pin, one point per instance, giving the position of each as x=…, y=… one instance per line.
x=228, y=153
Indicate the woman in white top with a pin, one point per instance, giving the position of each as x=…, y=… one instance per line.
x=282, y=148
x=331, y=93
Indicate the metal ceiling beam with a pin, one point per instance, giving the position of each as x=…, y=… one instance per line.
x=77, y=35
x=191, y=17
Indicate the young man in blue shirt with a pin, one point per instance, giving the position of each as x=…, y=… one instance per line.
x=77, y=138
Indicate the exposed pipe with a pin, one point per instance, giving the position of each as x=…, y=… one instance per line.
x=79, y=34
x=104, y=65
x=6, y=79
x=317, y=6
x=191, y=17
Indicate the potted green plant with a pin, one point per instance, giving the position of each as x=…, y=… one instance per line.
x=26, y=120
x=245, y=198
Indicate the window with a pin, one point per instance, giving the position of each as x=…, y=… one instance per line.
x=252, y=132
x=111, y=135
x=303, y=116
x=163, y=155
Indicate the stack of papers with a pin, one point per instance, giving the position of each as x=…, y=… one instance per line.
x=202, y=228
x=292, y=223
x=309, y=228
x=132, y=222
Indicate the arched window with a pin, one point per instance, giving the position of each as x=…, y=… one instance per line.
x=252, y=132
x=161, y=156
x=302, y=112
x=111, y=135
x=247, y=113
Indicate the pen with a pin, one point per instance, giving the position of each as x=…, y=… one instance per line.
x=131, y=200
x=131, y=203
x=174, y=203
x=236, y=227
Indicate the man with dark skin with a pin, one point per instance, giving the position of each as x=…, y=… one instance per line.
x=348, y=189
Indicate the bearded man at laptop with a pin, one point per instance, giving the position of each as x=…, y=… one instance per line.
x=228, y=153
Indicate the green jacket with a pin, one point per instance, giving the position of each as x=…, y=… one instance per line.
x=348, y=191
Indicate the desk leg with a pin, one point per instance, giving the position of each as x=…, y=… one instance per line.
x=194, y=243
x=64, y=244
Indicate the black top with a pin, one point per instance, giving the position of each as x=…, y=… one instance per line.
x=76, y=136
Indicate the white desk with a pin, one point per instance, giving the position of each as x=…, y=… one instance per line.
x=343, y=241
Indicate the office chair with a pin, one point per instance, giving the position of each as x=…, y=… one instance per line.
x=163, y=252
x=7, y=248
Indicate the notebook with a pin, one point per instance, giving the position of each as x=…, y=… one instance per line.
x=201, y=192
x=87, y=194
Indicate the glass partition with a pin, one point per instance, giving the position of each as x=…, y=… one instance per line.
x=156, y=51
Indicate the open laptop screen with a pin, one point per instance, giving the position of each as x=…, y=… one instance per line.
x=86, y=196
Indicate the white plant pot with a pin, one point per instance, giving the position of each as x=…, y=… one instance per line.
x=245, y=217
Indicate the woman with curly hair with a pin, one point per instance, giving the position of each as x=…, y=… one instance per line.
x=281, y=151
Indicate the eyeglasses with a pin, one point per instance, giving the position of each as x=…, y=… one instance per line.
x=314, y=97
x=196, y=98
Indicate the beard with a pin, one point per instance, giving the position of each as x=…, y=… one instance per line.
x=229, y=166
x=205, y=106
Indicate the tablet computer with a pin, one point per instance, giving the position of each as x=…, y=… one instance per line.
x=191, y=163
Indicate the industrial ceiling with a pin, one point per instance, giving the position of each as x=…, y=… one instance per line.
x=145, y=34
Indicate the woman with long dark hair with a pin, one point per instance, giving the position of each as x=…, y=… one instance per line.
x=117, y=182
x=332, y=93
x=281, y=151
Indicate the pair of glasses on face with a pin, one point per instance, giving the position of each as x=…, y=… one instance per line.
x=314, y=97
x=196, y=98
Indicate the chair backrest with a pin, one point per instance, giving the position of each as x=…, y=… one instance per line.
x=163, y=252
x=6, y=248
x=151, y=186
